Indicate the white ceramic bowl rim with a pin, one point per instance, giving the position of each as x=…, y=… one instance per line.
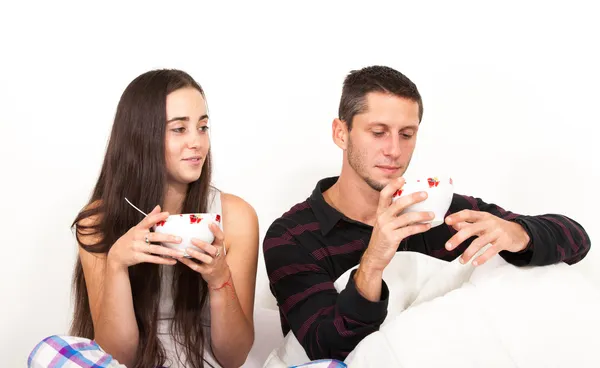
x=424, y=183
x=175, y=219
x=195, y=214
x=418, y=179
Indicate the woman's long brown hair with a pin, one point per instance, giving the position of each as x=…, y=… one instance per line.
x=135, y=167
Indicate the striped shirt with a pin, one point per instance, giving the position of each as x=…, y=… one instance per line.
x=309, y=247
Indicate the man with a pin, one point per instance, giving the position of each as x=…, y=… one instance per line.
x=351, y=219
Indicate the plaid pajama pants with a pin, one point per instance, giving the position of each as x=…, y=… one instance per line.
x=76, y=352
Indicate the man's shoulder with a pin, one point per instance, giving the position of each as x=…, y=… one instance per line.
x=286, y=238
x=299, y=214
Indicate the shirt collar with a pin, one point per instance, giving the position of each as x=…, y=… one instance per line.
x=327, y=216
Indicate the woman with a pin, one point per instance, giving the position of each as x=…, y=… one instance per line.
x=145, y=304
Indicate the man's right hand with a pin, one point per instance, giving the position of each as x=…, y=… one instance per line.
x=389, y=230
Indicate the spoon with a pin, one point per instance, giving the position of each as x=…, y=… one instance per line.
x=131, y=204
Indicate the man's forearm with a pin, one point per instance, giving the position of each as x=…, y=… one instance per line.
x=368, y=282
x=554, y=237
x=569, y=239
x=328, y=323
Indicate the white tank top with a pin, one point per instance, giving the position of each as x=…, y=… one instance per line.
x=166, y=308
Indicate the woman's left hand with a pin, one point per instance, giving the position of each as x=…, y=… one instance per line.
x=214, y=268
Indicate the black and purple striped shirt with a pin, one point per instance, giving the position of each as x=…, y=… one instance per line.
x=312, y=245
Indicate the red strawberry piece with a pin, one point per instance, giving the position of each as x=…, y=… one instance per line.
x=218, y=218
x=398, y=193
x=161, y=223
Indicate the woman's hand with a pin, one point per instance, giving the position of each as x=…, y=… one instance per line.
x=213, y=267
x=135, y=246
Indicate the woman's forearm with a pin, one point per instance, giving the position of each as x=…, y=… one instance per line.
x=116, y=330
x=232, y=333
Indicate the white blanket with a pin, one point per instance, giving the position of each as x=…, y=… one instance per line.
x=496, y=315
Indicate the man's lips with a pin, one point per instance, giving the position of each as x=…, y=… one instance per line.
x=388, y=168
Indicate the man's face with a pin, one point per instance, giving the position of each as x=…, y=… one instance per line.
x=382, y=139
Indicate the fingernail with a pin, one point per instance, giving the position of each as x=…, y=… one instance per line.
x=431, y=214
x=448, y=246
x=177, y=238
x=475, y=263
x=423, y=194
x=461, y=260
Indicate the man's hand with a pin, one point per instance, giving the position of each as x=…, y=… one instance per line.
x=489, y=229
x=389, y=230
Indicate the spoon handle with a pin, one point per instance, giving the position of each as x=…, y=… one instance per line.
x=131, y=204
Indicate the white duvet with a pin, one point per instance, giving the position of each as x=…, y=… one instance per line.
x=496, y=315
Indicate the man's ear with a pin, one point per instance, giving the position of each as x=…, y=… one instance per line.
x=339, y=130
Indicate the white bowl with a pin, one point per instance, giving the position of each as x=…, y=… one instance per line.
x=188, y=226
x=439, y=196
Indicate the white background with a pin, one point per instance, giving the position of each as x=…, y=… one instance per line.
x=510, y=94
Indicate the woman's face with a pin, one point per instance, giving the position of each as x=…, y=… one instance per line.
x=186, y=139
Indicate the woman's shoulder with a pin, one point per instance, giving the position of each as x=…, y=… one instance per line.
x=237, y=207
x=240, y=223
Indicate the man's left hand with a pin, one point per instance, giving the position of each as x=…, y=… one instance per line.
x=489, y=229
